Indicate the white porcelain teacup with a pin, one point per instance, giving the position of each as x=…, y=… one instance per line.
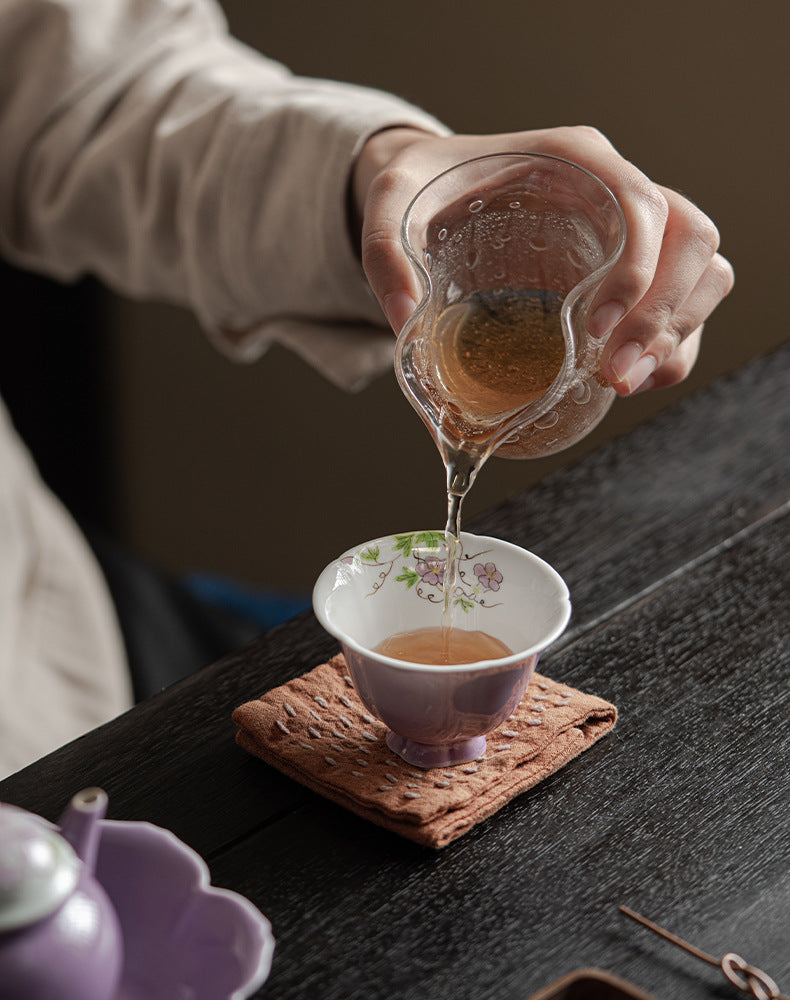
x=439, y=715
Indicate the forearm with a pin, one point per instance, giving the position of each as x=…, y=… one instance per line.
x=151, y=149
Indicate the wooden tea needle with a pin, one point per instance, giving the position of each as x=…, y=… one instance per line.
x=744, y=977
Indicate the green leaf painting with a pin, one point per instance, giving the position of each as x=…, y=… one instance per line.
x=429, y=539
x=409, y=577
x=405, y=544
x=370, y=554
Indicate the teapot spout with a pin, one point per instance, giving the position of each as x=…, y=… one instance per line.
x=79, y=824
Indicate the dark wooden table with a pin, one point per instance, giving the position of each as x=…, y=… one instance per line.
x=674, y=542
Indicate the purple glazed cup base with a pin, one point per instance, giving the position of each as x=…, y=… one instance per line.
x=427, y=755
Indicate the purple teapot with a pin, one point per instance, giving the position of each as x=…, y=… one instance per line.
x=60, y=938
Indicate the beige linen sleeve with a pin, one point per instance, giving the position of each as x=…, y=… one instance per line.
x=142, y=144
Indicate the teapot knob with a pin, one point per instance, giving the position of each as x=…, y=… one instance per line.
x=64, y=938
x=39, y=870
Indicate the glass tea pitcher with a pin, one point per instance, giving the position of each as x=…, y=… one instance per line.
x=511, y=249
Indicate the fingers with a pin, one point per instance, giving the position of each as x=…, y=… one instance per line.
x=646, y=209
x=646, y=213
x=669, y=278
x=659, y=357
x=684, y=288
x=689, y=281
x=676, y=368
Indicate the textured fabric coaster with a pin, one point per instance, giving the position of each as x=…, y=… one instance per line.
x=315, y=729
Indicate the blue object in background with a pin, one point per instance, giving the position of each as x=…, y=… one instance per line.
x=262, y=608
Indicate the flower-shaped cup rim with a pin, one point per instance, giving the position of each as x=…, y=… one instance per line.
x=323, y=587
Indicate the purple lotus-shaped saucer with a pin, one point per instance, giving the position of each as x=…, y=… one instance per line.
x=182, y=936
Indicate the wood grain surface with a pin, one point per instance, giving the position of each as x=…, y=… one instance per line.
x=673, y=540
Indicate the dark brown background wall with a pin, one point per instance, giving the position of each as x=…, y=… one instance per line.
x=266, y=472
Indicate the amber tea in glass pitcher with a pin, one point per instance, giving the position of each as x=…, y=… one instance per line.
x=511, y=249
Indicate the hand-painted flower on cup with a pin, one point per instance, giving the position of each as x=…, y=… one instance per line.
x=488, y=575
x=431, y=570
x=438, y=715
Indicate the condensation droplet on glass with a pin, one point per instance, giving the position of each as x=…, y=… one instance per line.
x=475, y=206
x=441, y=235
x=497, y=244
x=515, y=204
x=547, y=420
x=428, y=259
x=538, y=243
x=580, y=392
x=472, y=259
x=574, y=258
x=499, y=275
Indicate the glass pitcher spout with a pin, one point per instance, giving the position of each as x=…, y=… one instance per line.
x=511, y=249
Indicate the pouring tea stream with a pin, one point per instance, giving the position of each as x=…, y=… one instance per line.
x=510, y=249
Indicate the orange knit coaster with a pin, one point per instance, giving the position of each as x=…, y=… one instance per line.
x=315, y=729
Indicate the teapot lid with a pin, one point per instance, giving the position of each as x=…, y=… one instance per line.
x=39, y=869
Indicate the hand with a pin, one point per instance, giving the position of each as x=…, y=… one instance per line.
x=654, y=301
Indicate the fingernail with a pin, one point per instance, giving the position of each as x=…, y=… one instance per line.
x=641, y=372
x=647, y=385
x=605, y=318
x=398, y=306
x=630, y=366
x=624, y=359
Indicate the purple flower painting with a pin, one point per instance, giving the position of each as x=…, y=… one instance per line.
x=431, y=570
x=418, y=560
x=488, y=576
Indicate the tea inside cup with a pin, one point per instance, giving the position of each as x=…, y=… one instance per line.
x=438, y=714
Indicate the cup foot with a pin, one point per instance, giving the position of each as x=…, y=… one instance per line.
x=427, y=755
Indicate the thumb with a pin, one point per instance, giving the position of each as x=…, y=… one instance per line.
x=390, y=171
x=387, y=268
x=398, y=306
